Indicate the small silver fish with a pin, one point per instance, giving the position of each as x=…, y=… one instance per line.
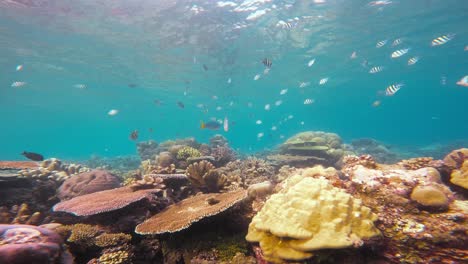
x=323, y=81
x=376, y=69
x=311, y=62
x=442, y=40
x=413, y=60
x=392, y=89
x=399, y=53
x=381, y=43
x=308, y=101
x=18, y=84
x=397, y=42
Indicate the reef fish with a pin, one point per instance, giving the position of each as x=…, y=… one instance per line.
x=397, y=42
x=134, y=135
x=392, y=89
x=267, y=62
x=311, y=62
x=180, y=104
x=308, y=101
x=226, y=124
x=399, y=53
x=211, y=125
x=113, y=112
x=18, y=84
x=381, y=43
x=19, y=67
x=205, y=67
x=442, y=40
x=376, y=69
x=323, y=81
x=413, y=61
x=463, y=81
x=33, y=156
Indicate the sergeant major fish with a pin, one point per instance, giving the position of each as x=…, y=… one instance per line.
x=392, y=89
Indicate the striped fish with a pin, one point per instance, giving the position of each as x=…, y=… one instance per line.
x=381, y=43
x=18, y=84
x=376, y=69
x=323, y=81
x=413, y=61
x=399, y=53
x=442, y=40
x=308, y=101
x=392, y=89
x=397, y=42
x=267, y=62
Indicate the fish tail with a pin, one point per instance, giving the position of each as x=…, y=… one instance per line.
x=202, y=125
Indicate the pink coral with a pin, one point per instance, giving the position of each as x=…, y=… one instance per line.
x=87, y=182
x=31, y=244
x=104, y=201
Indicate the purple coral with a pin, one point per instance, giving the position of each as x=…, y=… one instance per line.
x=21, y=244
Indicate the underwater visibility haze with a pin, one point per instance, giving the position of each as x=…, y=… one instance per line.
x=233, y=132
x=66, y=64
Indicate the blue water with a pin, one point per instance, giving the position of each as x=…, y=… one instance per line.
x=160, y=48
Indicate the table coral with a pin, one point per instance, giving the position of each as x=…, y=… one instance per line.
x=307, y=215
x=183, y=214
x=87, y=182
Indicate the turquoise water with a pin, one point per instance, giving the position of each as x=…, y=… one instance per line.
x=129, y=53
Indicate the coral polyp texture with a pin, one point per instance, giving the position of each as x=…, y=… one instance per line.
x=310, y=214
x=104, y=201
x=183, y=214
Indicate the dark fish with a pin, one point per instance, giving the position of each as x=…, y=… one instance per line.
x=33, y=156
x=134, y=135
x=212, y=125
x=205, y=67
x=267, y=62
x=132, y=85
x=157, y=102
x=180, y=104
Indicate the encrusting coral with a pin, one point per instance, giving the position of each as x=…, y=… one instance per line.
x=183, y=214
x=460, y=176
x=309, y=214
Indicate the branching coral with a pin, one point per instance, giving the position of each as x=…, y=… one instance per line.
x=187, y=152
x=19, y=215
x=203, y=176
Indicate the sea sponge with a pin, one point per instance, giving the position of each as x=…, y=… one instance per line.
x=430, y=195
x=460, y=177
x=187, y=152
x=309, y=214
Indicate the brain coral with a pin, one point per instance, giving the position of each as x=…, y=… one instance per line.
x=87, y=182
x=309, y=214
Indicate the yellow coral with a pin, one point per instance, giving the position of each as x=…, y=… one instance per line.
x=309, y=214
x=117, y=257
x=187, y=152
x=107, y=240
x=83, y=234
x=460, y=177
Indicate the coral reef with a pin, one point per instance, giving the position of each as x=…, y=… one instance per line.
x=379, y=151
x=120, y=163
x=104, y=201
x=19, y=215
x=53, y=169
x=364, y=160
x=222, y=155
x=310, y=148
x=249, y=171
x=18, y=165
x=147, y=182
x=430, y=195
x=165, y=159
x=459, y=176
x=204, y=177
x=147, y=149
x=187, y=152
x=418, y=163
x=307, y=215
x=455, y=159
x=87, y=182
x=183, y=214
x=31, y=244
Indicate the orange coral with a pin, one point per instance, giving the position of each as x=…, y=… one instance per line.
x=183, y=214
x=455, y=159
